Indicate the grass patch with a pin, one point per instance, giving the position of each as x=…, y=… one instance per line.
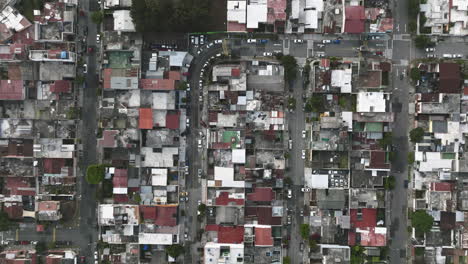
x=26, y=8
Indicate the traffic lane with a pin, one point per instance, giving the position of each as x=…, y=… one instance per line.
x=346, y=48
x=401, y=49
x=298, y=49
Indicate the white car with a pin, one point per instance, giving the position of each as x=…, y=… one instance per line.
x=430, y=49
x=95, y=255
x=192, y=39
x=188, y=122
x=98, y=38
x=298, y=41
x=267, y=54
x=251, y=41
x=303, y=134
x=326, y=41
x=431, y=55
x=202, y=39
x=199, y=173
x=199, y=202
x=188, y=87
x=303, y=154
x=85, y=68
x=320, y=45
x=458, y=55
x=185, y=235
x=200, y=98
x=305, y=189
x=210, y=45
x=289, y=194
x=199, y=143
x=198, y=52
x=218, y=41
x=448, y=56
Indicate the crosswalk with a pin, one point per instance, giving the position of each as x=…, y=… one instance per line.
x=403, y=37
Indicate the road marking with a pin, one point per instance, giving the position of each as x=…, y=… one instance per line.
x=405, y=28
x=398, y=28
x=53, y=234
x=17, y=234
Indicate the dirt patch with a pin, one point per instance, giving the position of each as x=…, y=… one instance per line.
x=218, y=16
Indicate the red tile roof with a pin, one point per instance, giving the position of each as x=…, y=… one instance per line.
x=19, y=186
x=173, y=75
x=231, y=234
x=441, y=186
x=48, y=206
x=107, y=73
x=276, y=11
x=60, y=86
x=378, y=160
x=108, y=139
x=355, y=17
x=368, y=237
x=11, y=90
x=157, y=84
x=263, y=236
x=146, y=118
x=120, y=198
x=236, y=27
x=264, y=215
x=223, y=199
x=173, y=120
x=53, y=259
x=120, y=179
x=367, y=218
x=261, y=195
x=465, y=90
x=162, y=215
x=14, y=210
x=212, y=228
x=53, y=166
x=235, y=72
x=449, y=78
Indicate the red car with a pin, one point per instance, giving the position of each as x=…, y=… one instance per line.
x=82, y=259
x=90, y=49
x=380, y=53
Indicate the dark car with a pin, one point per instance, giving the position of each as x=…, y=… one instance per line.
x=406, y=182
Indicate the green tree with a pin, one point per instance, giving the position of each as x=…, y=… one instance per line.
x=416, y=134
x=421, y=221
x=357, y=255
x=291, y=102
x=410, y=157
x=390, y=183
x=137, y=197
x=286, y=260
x=41, y=247
x=415, y=74
x=386, y=140
x=288, y=181
x=412, y=26
x=95, y=173
x=97, y=17
x=422, y=41
x=290, y=67
x=202, y=208
x=174, y=250
x=316, y=103
x=182, y=85
x=313, y=245
x=419, y=251
x=304, y=231
x=5, y=223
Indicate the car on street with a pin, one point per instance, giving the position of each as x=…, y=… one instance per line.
x=200, y=98
x=320, y=45
x=210, y=211
x=201, y=83
x=298, y=41
x=98, y=38
x=430, y=49
x=305, y=189
x=85, y=68
x=82, y=259
x=192, y=40
x=431, y=55
x=405, y=184
x=199, y=173
x=303, y=154
x=303, y=134
x=447, y=56
x=378, y=53
x=301, y=247
x=202, y=39
x=199, y=143
x=185, y=235
x=188, y=123
x=326, y=41
x=289, y=193
x=95, y=255
x=182, y=199
x=188, y=87
x=90, y=49
x=290, y=144
x=336, y=41
x=199, y=202
x=301, y=213
x=267, y=54
x=458, y=55
x=218, y=41
x=289, y=219
x=321, y=55
x=251, y=41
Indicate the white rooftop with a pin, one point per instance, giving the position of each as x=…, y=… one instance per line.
x=224, y=177
x=155, y=239
x=213, y=253
x=342, y=79
x=256, y=13
x=123, y=21
x=158, y=177
x=371, y=102
x=238, y=156
x=236, y=11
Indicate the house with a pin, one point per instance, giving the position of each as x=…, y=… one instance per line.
x=354, y=20
x=449, y=78
x=48, y=211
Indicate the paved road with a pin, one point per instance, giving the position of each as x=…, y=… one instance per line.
x=296, y=164
x=193, y=183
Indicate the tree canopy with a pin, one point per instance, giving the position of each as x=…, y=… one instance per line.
x=416, y=134
x=290, y=67
x=421, y=221
x=174, y=250
x=415, y=74
x=305, y=230
x=5, y=223
x=422, y=41
x=95, y=173
x=170, y=16
x=97, y=17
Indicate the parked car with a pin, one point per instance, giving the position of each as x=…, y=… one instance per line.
x=430, y=49
x=200, y=98
x=199, y=202
x=85, y=68
x=447, y=56
x=251, y=41
x=267, y=54
x=305, y=189
x=303, y=134
x=202, y=39
x=301, y=247
x=199, y=143
x=336, y=41
x=90, y=49
x=218, y=41
x=301, y=213
x=379, y=53
x=263, y=41
x=192, y=40
x=298, y=41
x=303, y=154
x=431, y=55
x=289, y=193
x=326, y=41
x=188, y=122
x=289, y=219
x=290, y=144
x=98, y=38
x=199, y=173
x=185, y=235
x=458, y=55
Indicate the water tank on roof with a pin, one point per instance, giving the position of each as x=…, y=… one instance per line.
x=64, y=55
